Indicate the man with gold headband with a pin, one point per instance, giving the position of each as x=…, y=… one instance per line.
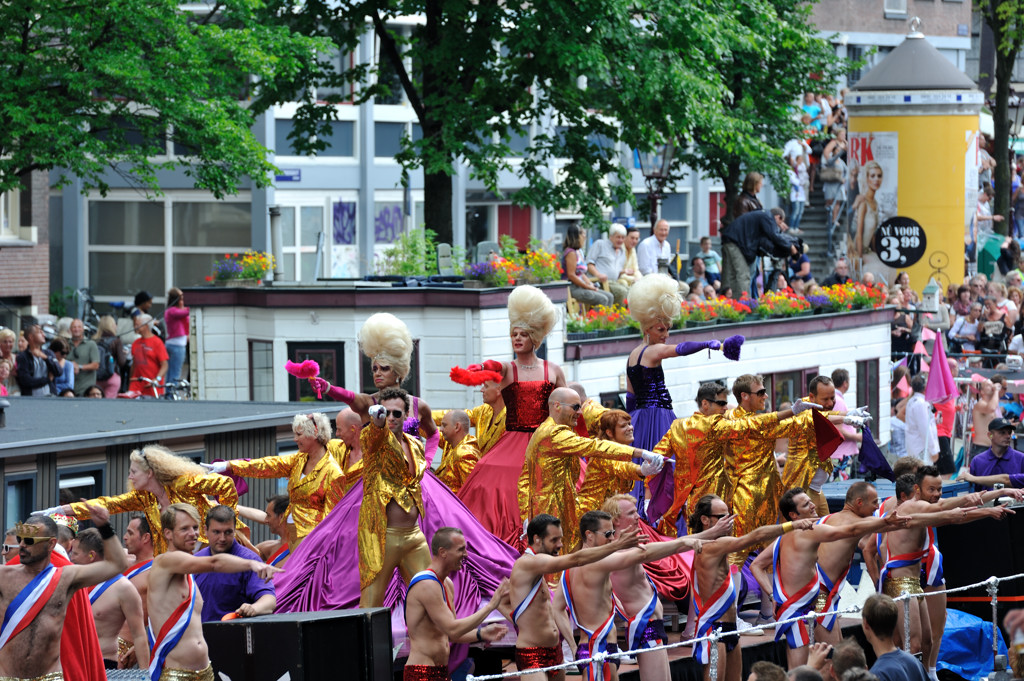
x=389, y=534
x=698, y=444
x=30, y=639
x=552, y=464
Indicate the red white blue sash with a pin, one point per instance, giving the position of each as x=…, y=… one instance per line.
x=708, y=611
x=597, y=639
x=97, y=591
x=172, y=631
x=636, y=624
x=831, y=610
x=30, y=600
x=430, y=575
x=525, y=603
x=932, y=563
x=138, y=569
x=280, y=555
x=801, y=602
x=902, y=560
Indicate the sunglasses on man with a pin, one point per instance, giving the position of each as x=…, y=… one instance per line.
x=395, y=413
x=574, y=407
x=30, y=541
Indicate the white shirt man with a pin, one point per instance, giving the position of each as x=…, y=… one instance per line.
x=606, y=260
x=922, y=436
x=653, y=247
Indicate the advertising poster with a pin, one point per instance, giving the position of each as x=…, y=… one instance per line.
x=871, y=193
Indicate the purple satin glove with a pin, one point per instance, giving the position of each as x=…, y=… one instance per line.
x=690, y=347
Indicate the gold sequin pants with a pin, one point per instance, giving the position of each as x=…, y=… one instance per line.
x=405, y=548
x=52, y=676
x=895, y=586
x=187, y=674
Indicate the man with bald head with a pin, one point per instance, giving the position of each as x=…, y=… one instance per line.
x=589, y=420
x=345, y=447
x=461, y=453
x=654, y=247
x=552, y=465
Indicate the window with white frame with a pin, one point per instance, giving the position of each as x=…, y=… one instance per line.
x=677, y=210
x=895, y=8
x=300, y=228
x=135, y=245
x=10, y=218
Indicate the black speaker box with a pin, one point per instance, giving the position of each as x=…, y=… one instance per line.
x=304, y=646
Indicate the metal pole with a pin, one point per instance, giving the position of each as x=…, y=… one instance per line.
x=812, y=625
x=993, y=592
x=713, y=659
x=276, y=243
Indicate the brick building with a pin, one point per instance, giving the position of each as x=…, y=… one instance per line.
x=25, y=250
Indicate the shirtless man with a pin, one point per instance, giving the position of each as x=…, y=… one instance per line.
x=794, y=559
x=138, y=541
x=430, y=611
x=539, y=625
x=907, y=551
x=180, y=647
x=275, y=517
x=30, y=638
x=115, y=602
x=985, y=409
x=635, y=597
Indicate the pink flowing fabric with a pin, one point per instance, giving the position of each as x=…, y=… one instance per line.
x=941, y=385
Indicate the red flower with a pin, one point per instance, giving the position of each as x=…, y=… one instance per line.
x=209, y=278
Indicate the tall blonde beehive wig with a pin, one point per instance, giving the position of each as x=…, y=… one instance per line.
x=385, y=339
x=654, y=298
x=531, y=310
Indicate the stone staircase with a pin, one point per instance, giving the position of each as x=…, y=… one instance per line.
x=813, y=224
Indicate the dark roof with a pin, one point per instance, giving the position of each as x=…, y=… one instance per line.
x=915, y=64
x=46, y=424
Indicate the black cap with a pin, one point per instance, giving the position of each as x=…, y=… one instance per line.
x=142, y=297
x=999, y=424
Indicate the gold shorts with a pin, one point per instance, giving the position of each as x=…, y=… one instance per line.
x=187, y=674
x=895, y=586
x=52, y=676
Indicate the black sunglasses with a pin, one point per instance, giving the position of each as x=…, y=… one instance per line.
x=395, y=413
x=721, y=403
x=574, y=407
x=717, y=516
x=608, y=534
x=761, y=393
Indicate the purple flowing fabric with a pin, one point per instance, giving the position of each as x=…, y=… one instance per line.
x=323, y=572
x=650, y=425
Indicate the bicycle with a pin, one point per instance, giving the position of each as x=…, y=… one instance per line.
x=178, y=390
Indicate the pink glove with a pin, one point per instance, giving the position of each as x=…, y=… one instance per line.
x=336, y=393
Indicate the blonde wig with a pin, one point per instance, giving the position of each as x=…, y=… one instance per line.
x=313, y=425
x=529, y=309
x=654, y=298
x=385, y=339
x=165, y=464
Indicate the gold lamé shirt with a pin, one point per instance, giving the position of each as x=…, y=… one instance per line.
x=342, y=454
x=605, y=478
x=551, y=469
x=387, y=476
x=310, y=497
x=802, y=460
x=458, y=463
x=489, y=426
x=591, y=413
x=186, y=489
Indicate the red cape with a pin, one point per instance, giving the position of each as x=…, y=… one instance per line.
x=671, y=575
x=80, y=654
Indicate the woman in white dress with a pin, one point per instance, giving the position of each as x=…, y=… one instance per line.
x=866, y=221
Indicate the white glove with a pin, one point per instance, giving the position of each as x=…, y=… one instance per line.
x=378, y=413
x=48, y=511
x=651, y=467
x=800, y=406
x=860, y=412
x=651, y=457
x=855, y=421
x=216, y=467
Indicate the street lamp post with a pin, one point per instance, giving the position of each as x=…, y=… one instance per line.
x=1017, y=115
x=656, y=166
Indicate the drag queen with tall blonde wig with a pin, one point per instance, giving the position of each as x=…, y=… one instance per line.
x=654, y=303
x=491, y=491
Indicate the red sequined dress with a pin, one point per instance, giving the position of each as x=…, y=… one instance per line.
x=491, y=491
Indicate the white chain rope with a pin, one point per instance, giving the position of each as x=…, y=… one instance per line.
x=992, y=583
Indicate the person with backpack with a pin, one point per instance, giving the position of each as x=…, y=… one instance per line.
x=112, y=357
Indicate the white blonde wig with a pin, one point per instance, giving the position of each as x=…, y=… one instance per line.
x=385, y=339
x=314, y=425
x=654, y=298
x=529, y=309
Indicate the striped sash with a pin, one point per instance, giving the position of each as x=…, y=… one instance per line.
x=97, y=591
x=279, y=555
x=831, y=609
x=902, y=560
x=932, y=564
x=525, y=603
x=29, y=601
x=597, y=639
x=636, y=624
x=708, y=611
x=172, y=631
x=797, y=634
x=430, y=575
x=138, y=569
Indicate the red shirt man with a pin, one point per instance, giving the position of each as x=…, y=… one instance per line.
x=149, y=356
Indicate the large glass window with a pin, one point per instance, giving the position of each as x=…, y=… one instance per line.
x=330, y=357
x=261, y=371
x=216, y=224
x=867, y=384
x=20, y=497
x=340, y=140
x=300, y=228
x=79, y=482
x=126, y=223
x=121, y=274
x=388, y=139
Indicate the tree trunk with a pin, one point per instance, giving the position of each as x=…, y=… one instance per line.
x=732, y=184
x=437, y=205
x=1001, y=139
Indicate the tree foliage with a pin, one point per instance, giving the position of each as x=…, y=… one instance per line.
x=1006, y=19
x=97, y=87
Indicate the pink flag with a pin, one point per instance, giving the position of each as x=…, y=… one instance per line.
x=919, y=349
x=925, y=367
x=941, y=385
x=927, y=334
x=903, y=387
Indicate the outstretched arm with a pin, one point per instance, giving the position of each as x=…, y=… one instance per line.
x=761, y=568
x=758, y=536
x=114, y=559
x=543, y=564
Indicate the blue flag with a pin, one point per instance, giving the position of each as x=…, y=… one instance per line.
x=872, y=460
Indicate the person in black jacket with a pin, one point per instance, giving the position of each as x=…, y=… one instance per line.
x=748, y=236
x=840, y=275
x=37, y=366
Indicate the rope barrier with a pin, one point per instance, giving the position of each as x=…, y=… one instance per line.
x=992, y=584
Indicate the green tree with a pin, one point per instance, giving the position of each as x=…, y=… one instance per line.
x=94, y=88
x=479, y=75
x=775, y=56
x=1006, y=19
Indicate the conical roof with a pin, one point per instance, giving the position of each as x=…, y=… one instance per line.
x=915, y=65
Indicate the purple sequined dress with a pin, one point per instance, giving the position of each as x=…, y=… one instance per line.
x=652, y=418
